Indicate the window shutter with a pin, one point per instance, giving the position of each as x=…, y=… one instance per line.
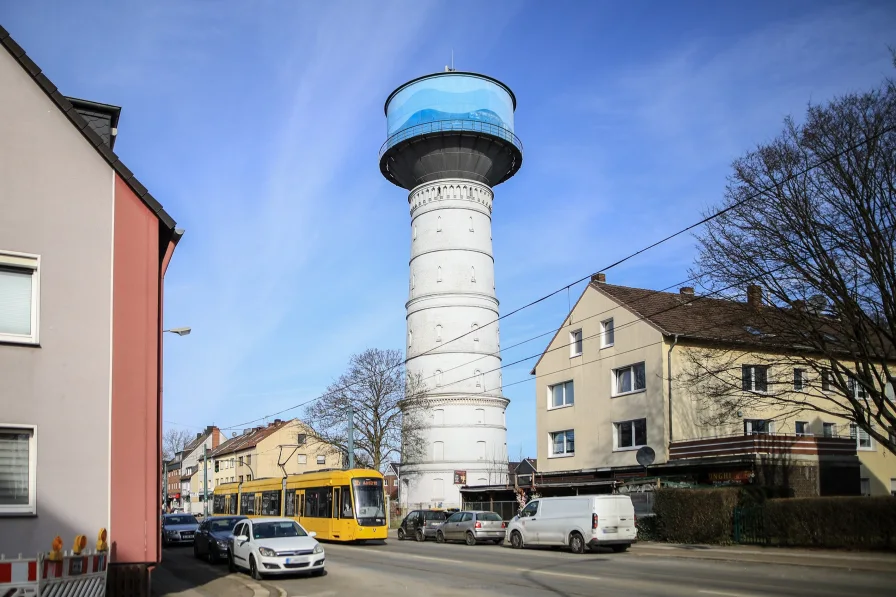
x=15, y=301
x=14, y=468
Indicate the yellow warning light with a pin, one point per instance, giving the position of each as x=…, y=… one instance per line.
x=56, y=551
x=101, y=544
x=80, y=544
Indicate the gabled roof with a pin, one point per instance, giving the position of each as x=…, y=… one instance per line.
x=78, y=121
x=248, y=440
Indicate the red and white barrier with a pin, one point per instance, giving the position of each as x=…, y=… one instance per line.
x=18, y=578
x=73, y=576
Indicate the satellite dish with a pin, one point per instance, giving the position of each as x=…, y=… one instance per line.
x=645, y=456
x=233, y=434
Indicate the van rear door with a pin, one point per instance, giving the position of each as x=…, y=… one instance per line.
x=626, y=511
x=607, y=517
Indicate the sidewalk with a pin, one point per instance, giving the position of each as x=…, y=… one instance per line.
x=166, y=584
x=878, y=561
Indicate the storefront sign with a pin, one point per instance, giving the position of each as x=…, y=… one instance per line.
x=460, y=477
x=730, y=476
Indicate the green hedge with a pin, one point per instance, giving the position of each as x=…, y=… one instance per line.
x=839, y=522
x=695, y=515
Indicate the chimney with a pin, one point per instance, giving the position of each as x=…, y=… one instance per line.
x=216, y=436
x=686, y=291
x=198, y=435
x=102, y=118
x=247, y=431
x=277, y=421
x=754, y=295
x=599, y=278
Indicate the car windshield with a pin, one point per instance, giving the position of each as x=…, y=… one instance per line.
x=434, y=516
x=272, y=530
x=224, y=524
x=181, y=519
x=489, y=516
x=369, y=498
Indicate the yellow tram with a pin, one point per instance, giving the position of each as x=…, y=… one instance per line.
x=338, y=505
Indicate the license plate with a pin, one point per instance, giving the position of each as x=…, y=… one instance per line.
x=188, y=535
x=610, y=529
x=288, y=561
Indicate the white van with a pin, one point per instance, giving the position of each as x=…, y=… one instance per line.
x=579, y=522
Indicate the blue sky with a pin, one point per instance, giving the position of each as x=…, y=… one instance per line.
x=257, y=125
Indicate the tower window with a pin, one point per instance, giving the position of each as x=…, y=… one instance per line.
x=410, y=338
x=439, y=333
x=415, y=231
x=472, y=274
x=478, y=376
x=439, y=224
x=438, y=377
x=471, y=223
x=439, y=274
x=475, y=330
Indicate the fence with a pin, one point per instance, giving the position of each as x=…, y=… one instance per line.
x=749, y=526
x=82, y=575
x=506, y=510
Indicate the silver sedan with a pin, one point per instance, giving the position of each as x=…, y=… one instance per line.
x=472, y=526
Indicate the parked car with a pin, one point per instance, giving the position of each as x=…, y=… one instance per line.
x=472, y=526
x=178, y=528
x=274, y=545
x=421, y=524
x=577, y=522
x=212, y=540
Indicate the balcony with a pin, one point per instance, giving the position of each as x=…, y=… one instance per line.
x=798, y=446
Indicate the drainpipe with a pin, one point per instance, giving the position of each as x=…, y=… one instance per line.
x=669, y=364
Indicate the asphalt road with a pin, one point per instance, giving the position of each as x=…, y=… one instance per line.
x=399, y=568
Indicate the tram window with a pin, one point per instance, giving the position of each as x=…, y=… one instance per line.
x=318, y=502
x=290, y=505
x=346, y=509
x=233, y=503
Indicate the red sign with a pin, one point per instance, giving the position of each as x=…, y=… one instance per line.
x=177, y=496
x=460, y=477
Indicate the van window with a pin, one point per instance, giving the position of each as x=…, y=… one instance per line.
x=530, y=509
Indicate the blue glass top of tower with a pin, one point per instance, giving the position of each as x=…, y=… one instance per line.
x=451, y=97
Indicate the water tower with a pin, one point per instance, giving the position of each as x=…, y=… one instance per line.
x=450, y=142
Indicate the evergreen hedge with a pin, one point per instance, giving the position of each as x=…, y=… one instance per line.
x=695, y=515
x=832, y=522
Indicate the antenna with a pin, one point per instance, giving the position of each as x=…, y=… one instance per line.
x=452, y=59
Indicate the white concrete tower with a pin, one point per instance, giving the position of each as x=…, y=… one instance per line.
x=450, y=142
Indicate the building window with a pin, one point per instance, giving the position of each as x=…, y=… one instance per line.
x=862, y=437
x=825, y=380
x=758, y=426
x=480, y=416
x=563, y=443
x=607, y=333
x=799, y=379
x=19, y=298
x=439, y=333
x=302, y=458
x=802, y=428
x=321, y=459
x=629, y=379
x=249, y=459
x=561, y=394
x=438, y=416
x=410, y=338
x=18, y=455
x=827, y=429
x=478, y=375
x=480, y=450
x=438, y=377
x=439, y=224
x=241, y=461
x=415, y=231
x=471, y=223
x=472, y=274
x=475, y=329
x=241, y=478
x=755, y=378
x=301, y=438
x=438, y=451
x=575, y=343
x=439, y=274
x=855, y=389
x=630, y=434
x=865, y=485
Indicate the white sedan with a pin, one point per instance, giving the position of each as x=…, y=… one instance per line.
x=274, y=546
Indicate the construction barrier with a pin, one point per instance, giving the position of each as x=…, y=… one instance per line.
x=73, y=576
x=18, y=578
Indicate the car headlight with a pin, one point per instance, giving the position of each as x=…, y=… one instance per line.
x=172, y=533
x=318, y=548
x=267, y=552
x=223, y=544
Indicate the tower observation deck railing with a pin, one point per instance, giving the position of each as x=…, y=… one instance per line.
x=444, y=126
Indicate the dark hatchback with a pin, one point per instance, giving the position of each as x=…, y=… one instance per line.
x=212, y=540
x=421, y=524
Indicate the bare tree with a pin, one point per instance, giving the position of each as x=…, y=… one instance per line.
x=173, y=441
x=810, y=219
x=389, y=407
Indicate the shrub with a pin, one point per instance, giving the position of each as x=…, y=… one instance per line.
x=646, y=526
x=850, y=522
x=695, y=515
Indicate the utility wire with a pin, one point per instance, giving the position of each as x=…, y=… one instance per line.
x=628, y=257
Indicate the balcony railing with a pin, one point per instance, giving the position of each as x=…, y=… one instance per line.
x=442, y=126
x=771, y=444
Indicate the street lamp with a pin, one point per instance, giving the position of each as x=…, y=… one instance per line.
x=180, y=331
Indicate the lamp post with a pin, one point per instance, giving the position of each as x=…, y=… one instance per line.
x=184, y=331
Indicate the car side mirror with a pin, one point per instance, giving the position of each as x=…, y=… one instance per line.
x=312, y=534
x=241, y=538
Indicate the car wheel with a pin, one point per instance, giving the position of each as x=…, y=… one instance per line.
x=576, y=542
x=516, y=540
x=212, y=556
x=231, y=565
x=401, y=534
x=440, y=538
x=471, y=539
x=253, y=569
x=620, y=548
x=419, y=536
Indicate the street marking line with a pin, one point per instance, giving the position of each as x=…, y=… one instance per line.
x=564, y=574
x=723, y=593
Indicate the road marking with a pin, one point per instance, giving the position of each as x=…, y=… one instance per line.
x=723, y=593
x=564, y=574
